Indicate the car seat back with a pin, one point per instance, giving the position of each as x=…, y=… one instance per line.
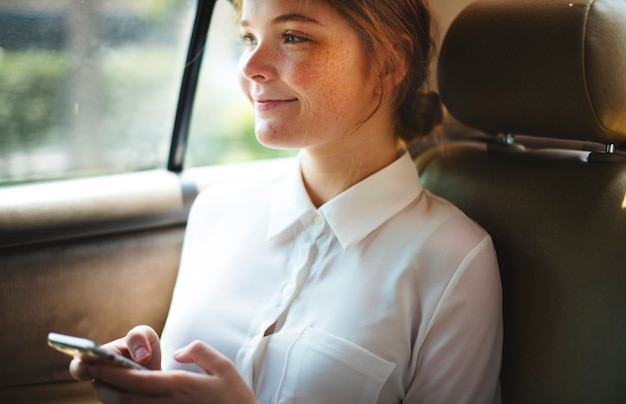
x=536, y=90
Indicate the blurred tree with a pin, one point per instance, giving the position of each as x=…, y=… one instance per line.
x=32, y=96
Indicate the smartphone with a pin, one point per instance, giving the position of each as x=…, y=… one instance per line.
x=88, y=350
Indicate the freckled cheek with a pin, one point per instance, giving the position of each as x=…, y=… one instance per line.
x=325, y=85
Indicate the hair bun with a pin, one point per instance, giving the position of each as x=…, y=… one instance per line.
x=421, y=117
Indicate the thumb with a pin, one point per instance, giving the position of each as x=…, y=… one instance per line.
x=208, y=359
x=144, y=346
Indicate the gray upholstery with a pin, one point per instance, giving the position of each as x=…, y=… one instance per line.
x=559, y=227
x=558, y=218
x=551, y=68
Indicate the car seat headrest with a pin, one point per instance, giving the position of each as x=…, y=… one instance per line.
x=550, y=68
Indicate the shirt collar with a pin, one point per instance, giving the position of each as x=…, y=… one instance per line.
x=290, y=202
x=356, y=212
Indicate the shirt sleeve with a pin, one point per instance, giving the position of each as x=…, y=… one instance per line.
x=460, y=359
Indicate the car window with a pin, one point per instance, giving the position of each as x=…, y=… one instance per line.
x=222, y=124
x=88, y=87
x=91, y=88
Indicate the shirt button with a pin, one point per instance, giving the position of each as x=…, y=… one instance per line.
x=317, y=220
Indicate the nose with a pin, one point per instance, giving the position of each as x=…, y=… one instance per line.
x=258, y=63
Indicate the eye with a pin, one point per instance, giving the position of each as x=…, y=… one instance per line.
x=248, y=39
x=291, y=38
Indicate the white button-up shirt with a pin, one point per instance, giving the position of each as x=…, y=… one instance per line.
x=385, y=294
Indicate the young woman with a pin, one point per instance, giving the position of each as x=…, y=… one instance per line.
x=340, y=279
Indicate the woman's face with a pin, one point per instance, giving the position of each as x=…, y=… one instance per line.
x=306, y=72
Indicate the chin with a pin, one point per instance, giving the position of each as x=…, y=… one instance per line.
x=280, y=140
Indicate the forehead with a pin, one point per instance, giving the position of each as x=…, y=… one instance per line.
x=317, y=10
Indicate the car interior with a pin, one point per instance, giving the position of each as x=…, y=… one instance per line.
x=532, y=149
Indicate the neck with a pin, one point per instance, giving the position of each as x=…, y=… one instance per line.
x=327, y=174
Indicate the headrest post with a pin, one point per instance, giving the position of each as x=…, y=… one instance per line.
x=609, y=148
x=505, y=143
x=610, y=155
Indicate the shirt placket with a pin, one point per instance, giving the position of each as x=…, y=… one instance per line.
x=304, y=253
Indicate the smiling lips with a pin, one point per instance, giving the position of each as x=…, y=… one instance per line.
x=269, y=104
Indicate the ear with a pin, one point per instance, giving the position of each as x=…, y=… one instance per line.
x=395, y=67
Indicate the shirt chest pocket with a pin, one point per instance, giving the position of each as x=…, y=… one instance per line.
x=323, y=368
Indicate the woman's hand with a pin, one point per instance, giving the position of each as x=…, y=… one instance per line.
x=141, y=344
x=222, y=383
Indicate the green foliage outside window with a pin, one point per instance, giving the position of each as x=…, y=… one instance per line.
x=32, y=93
x=103, y=99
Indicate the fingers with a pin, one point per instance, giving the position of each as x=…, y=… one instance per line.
x=79, y=367
x=78, y=370
x=125, y=380
x=222, y=383
x=118, y=346
x=109, y=394
x=143, y=346
x=207, y=358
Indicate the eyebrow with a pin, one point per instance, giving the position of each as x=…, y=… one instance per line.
x=295, y=17
x=281, y=19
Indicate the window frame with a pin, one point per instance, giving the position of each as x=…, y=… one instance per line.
x=189, y=85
